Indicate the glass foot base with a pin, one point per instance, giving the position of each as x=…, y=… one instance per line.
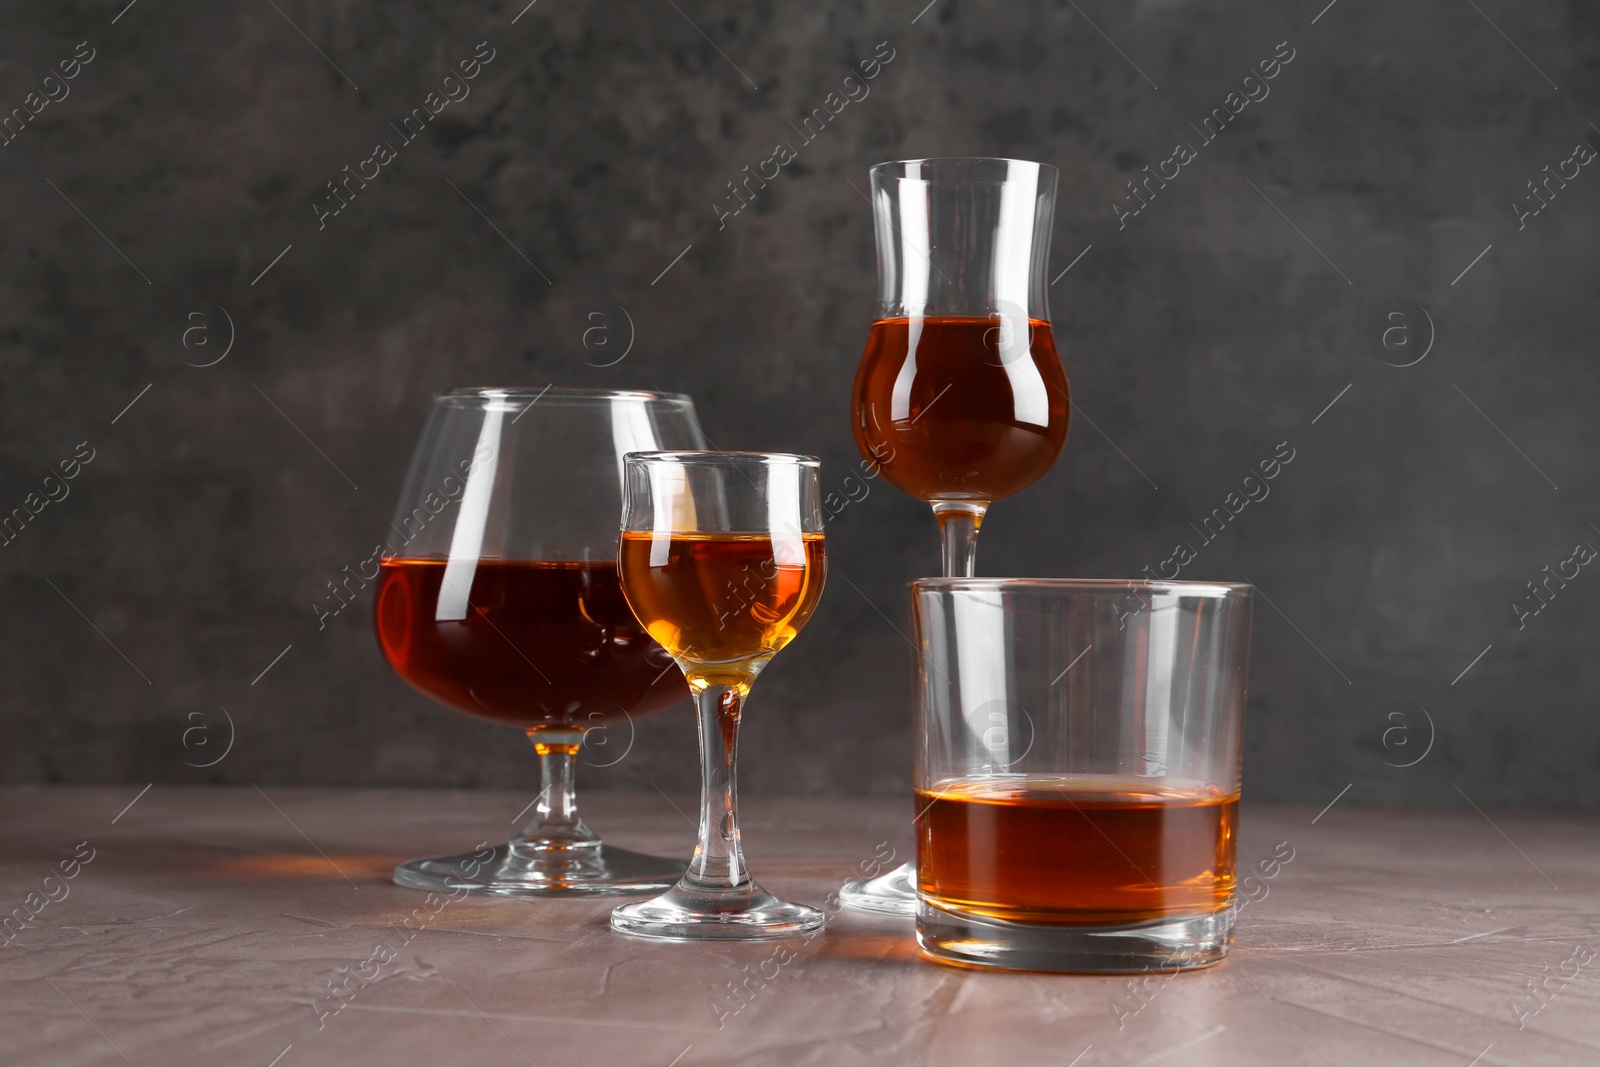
x=688, y=913
x=894, y=893
x=518, y=871
x=1168, y=946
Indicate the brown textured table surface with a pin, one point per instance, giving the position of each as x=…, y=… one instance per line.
x=207, y=923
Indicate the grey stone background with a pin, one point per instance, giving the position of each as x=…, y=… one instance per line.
x=1252, y=292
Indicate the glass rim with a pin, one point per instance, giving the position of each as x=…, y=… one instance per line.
x=1084, y=585
x=707, y=457
x=876, y=167
x=490, y=393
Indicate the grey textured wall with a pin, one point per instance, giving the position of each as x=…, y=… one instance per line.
x=1259, y=286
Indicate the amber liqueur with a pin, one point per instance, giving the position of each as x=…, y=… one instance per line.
x=1076, y=851
x=537, y=643
x=965, y=407
x=716, y=598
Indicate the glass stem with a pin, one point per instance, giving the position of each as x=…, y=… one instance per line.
x=555, y=814
x=719, y=857
x=958, y=533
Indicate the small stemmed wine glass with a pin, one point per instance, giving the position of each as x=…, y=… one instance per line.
x=722, y=561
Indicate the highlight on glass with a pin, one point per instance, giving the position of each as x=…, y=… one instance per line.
x=722, y=562
x=960, y=397
x=500, y=598
x=1078, y=771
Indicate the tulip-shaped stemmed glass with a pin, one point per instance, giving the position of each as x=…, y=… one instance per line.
x=960, y=397
x=499, y=597
x=722, y=562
